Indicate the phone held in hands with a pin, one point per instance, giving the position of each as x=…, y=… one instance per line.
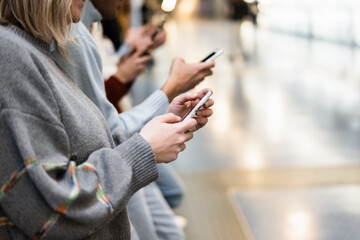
x=199, y=105
x=216, y=53
x=158, y=29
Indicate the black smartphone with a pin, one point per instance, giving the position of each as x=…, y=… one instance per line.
x=216, y=53
x=158, y=29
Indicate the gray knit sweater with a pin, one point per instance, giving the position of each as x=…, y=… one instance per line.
x=62, y=174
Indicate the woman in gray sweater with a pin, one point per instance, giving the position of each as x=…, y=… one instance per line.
x=62, y=174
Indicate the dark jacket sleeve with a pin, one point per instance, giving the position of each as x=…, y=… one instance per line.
x=115, y=91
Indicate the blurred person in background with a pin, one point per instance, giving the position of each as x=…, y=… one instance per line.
x=117, y=86
x=238, y=11
x=87, y=73
x=134, y=46
x=170, y=184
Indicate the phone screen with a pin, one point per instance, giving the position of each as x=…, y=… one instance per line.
x=199, y=105
x=159, y=29
x=208, y=57
x=213, y=55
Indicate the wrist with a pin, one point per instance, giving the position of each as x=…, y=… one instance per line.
x=121, y=77
x=148, y=140
x=169, y=90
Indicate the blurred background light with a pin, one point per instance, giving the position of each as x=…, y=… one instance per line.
x=168, y=5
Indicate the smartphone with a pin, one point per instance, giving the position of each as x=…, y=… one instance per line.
x=158, y=29
x=196, y=108
x=213, y=55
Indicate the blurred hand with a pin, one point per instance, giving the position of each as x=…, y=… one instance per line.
x=144, y=43
x=184, y=103
x=141, y=38
x=133, y=34
x=185, y=76
x=159, y=39
x=167, y=136
x=131, y=65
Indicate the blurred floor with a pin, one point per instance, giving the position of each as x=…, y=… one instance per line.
x=286, y=114
x=313, y=213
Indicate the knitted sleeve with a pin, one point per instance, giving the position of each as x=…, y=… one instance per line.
x=133, y=120
x=40, y=181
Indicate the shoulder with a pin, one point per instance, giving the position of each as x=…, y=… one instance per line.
x=17, y=52
x=82, y=51
x=5, y=34
x=15, y=58
x=24, y=74
x=84, y=55
x=11, y=43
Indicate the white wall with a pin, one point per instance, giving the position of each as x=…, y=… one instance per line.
x=333, y=20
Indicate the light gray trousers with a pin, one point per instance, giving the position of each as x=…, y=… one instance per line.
x=150, y=214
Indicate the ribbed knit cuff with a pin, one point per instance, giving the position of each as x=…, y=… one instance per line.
x=143, y=161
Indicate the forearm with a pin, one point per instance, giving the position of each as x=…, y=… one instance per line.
x=133, y=120
x=170, y=90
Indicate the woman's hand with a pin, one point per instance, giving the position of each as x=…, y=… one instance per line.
x=131, y=66
x=185, y=76
x=167, y=135
x=184, y=103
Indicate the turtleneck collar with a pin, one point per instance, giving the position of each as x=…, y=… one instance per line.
x=37, y=42
x=90, y=14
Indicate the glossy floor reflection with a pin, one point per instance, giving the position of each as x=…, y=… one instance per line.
x=328, y=213
x=293, y=102
x=284, y=105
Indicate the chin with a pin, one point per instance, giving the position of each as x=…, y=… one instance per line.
x=76, y=19
x=110, y=15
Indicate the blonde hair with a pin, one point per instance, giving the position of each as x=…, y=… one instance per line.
x=44, y=19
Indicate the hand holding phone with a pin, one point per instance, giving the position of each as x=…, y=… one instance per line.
x=216, y=53
x=199, y=105
x=158, y=29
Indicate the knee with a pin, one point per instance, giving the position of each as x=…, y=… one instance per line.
x=175, y=198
